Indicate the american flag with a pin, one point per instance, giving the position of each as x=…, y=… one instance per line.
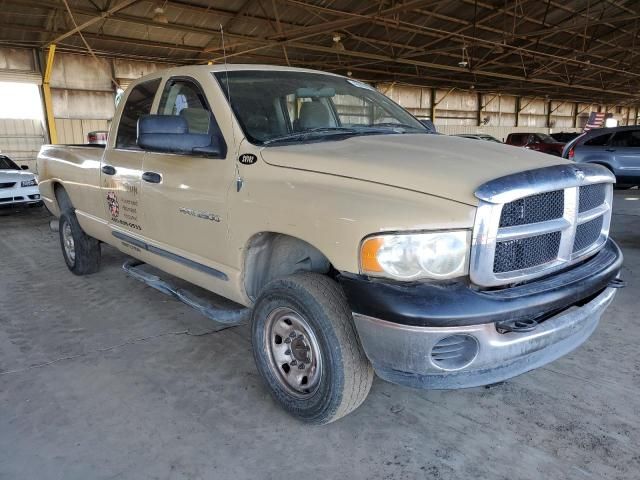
x=596, y=120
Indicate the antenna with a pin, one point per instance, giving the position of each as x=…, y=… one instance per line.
x=233, y=130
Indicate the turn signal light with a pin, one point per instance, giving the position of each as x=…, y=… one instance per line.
x=369, y=255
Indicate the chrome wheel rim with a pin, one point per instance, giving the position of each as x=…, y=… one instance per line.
x=68, y=243
x=293, y=351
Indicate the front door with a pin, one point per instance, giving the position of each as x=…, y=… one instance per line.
x=185, y=195
x=121, y=168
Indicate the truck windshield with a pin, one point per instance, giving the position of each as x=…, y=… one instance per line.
x=7, y=164
x=281, y=107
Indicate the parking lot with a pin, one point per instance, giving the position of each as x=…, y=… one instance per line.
x=102, y=377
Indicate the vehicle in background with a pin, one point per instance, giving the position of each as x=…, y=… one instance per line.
x=564, y=137
x=618, y=149
x=479, y=136
x=540, y=142
x=16, y=186
x=99, y=137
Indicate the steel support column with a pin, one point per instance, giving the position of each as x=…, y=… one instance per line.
x=433, y=105
x=48, y=104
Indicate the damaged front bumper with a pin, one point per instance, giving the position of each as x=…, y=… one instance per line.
x=441, y=337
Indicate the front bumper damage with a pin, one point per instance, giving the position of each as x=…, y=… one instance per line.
x=446, y=337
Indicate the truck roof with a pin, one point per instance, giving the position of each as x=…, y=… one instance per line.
x=190, y=69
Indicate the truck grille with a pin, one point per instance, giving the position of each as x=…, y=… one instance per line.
x=522, y=232
x=526, y=253
x=533, y=209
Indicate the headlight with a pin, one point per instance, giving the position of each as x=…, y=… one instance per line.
x=437, y=255
x=29, y=183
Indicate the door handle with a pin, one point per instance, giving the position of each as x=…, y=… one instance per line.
x=609, y=149
x=108, y=170
x=151, y=177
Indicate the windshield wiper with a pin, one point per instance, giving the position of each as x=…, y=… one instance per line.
x=311, y=133
x=396, y=125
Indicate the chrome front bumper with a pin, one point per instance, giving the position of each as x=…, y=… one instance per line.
x=403, y=354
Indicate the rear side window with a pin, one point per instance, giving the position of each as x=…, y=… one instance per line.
x=139, y=103
x=183, y=96
x=599, y=141
x=518, y=138
x=628, y=138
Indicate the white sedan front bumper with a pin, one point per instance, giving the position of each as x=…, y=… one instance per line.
x=19, y=195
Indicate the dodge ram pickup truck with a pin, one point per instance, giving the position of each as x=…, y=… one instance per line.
x=353, y=239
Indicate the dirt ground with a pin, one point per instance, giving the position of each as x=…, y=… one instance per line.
x=102, y=377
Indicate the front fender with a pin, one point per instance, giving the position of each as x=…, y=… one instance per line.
x=332, y=213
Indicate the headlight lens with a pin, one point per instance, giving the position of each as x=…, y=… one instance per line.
x=437, y=255
x=29, y=183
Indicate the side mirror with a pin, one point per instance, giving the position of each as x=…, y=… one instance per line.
x=24, y=167
x=170, y=134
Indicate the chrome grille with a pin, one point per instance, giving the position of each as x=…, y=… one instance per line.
x=591, y=196
x=526, y=252
x=587, y=234
x=531, y=223
x=533, y=209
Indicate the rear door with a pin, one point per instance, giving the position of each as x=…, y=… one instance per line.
x=595, y=149
x=625, y=146
x=185, y=195
x=121, y=168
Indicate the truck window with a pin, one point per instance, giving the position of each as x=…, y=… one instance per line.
x=274, y=106
x=139, y=102
x=517, y=139
x=183, y=97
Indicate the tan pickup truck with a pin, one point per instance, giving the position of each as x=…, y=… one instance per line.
x=354, y=239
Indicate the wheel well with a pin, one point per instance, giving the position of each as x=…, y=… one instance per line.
x=62, y=197
x=272, y=255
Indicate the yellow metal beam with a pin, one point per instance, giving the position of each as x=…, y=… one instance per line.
x=48, y=104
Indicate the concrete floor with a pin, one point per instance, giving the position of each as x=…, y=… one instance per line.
x=102, y=377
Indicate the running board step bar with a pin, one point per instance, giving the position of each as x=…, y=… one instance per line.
x=226, y=316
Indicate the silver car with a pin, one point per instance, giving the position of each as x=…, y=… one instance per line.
x=16, y=185
x=618, y=149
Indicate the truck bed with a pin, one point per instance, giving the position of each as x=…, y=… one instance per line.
x=77, y=169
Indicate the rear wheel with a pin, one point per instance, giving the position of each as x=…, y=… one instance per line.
x=80, y=251
x=307, y=350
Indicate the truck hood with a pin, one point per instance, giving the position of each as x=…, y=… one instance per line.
x=440, y=165
x=15, y=176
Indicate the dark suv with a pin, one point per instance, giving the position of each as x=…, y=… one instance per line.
x=540, y=142
x=618, y=149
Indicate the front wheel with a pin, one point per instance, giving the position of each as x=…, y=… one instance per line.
x=307, y=350
x=80, y=251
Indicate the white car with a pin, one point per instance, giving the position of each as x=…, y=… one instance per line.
x=17, y=186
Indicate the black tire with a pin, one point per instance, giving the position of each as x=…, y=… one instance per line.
x=345, y=376
x=86, y=250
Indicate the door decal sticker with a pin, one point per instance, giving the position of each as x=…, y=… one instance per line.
x=114, y=207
